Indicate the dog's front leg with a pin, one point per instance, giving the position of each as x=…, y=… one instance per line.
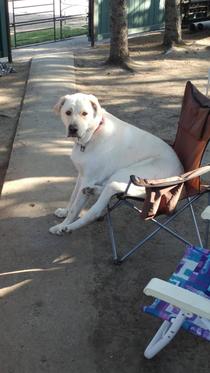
x=63, y=212
x=95, y=211
x=73, y=212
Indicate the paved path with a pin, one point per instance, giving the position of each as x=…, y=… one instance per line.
x=46, y=314
x=59, y=47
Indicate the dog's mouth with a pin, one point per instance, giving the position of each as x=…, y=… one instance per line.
x=72, y=135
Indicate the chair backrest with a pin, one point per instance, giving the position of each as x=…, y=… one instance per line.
x=193, y=132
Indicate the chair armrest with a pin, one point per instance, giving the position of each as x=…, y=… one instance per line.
x=170, y=181
x=179, y=297
x=156, y=183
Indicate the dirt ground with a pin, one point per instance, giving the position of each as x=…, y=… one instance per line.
x=150, y=98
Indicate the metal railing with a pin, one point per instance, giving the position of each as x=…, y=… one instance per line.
x=39, y=16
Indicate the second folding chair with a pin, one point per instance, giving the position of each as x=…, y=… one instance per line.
x=183, y=301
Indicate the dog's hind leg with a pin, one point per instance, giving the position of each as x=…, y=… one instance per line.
x=117, y=183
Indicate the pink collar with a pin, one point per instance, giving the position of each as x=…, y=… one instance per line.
x=101, y=122
x=82, y=147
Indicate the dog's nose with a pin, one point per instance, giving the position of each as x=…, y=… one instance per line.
x=72, y=130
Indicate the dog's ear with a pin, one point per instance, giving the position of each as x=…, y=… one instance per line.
x=95, y=104
x=58, y=106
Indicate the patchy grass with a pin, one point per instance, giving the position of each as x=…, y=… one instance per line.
x=40, y=36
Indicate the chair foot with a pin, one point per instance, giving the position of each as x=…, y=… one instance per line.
x=117, y=262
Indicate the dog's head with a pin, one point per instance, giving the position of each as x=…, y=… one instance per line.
x=80, y=113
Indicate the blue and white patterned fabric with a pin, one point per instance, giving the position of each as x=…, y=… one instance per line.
x=192, y=273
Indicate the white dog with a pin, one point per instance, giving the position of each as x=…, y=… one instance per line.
x=106, y=152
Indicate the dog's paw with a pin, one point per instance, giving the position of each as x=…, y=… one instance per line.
x=61, y=213
x=57, y=229
x=67, y=229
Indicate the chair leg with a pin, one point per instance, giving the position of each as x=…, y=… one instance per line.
x=208, y=83
x=119, y=260
x=112, y=238
x=195, y=223
x=207, y=234
x=207, y=226
x=164, y=335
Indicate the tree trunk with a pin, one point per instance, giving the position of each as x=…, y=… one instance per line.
x=173, y=31
x=119, y=53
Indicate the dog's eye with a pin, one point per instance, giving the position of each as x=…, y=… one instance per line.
x=84, y=113
x=68, y=112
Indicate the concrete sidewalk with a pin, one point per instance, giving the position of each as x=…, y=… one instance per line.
x=46, y=313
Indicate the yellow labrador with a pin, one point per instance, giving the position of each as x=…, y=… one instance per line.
x=106, y=152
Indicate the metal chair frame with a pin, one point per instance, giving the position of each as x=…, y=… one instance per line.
x=123, y=199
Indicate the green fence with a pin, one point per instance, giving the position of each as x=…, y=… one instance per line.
x=143, y=15
x=5, y=50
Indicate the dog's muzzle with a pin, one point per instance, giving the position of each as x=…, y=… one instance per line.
x=72, y=131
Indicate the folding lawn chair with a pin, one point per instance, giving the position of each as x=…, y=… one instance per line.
x=162, y=196
x=184, y=301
